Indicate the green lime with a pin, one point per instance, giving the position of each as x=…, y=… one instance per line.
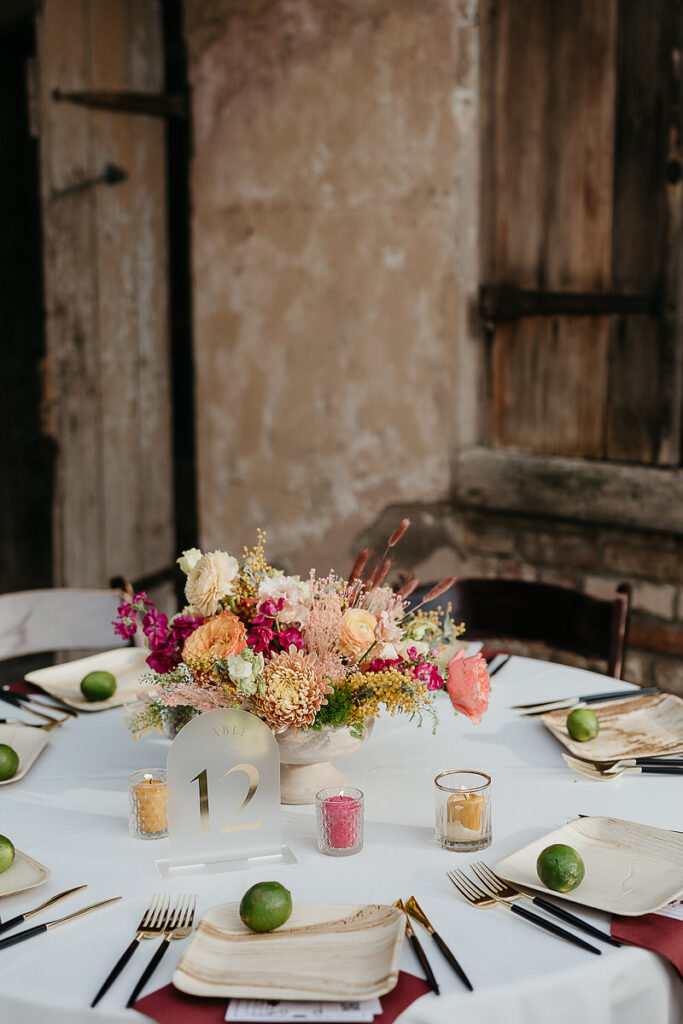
x=583, y=724
x=6, y=853
x=560, y=867
x=98, y=686
x=266, y=906
x=9, y=762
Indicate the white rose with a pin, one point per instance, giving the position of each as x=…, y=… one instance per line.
x=209, y=581
x=189, y=559
x=238, y=667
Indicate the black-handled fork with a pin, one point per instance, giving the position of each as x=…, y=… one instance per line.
x=474, y=894
x=152, y=924
x=509, y=892
x=178, y=926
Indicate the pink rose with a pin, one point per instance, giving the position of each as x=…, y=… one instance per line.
x=468, y=685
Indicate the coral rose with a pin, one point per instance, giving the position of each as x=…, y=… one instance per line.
x=468, y=685
x=357, y=632
x=209, y=581
x=220, y=636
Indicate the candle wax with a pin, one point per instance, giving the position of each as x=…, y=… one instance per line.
x=151, y=798
x=342, y=818
x=464, y=815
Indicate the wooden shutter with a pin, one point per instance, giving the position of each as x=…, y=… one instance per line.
x=105, y=253
x=580, y=202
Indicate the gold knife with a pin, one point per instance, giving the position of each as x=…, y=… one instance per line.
x=419, y=951
x=39, y=928
x=14, y=921
x=413, y=908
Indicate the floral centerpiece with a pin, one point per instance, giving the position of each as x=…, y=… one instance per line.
x=301, y=654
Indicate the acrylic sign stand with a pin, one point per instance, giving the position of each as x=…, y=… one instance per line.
x=223, y=776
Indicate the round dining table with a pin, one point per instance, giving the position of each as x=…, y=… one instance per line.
x=70, y=813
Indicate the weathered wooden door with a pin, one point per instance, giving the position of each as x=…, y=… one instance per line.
x=105, y=254
x=581, y=202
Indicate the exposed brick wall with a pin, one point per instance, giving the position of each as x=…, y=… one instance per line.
x=590, y=558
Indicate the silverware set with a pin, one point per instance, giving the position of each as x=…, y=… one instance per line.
x=605, y=771
x=38, y=929
x=487, y=889
x=164, y=917
x=413, y=909
x=27, y=702
x=540, y=707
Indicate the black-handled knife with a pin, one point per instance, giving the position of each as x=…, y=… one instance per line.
x=540, y=706
x=419, y=951
x=38, y=929
x=413, y=908
x=20, y=918
x=30, y=698
x=13, y=699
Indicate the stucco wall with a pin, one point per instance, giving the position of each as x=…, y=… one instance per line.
x=334, y=262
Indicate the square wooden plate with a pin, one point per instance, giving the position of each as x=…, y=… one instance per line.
x=126, y=664
x=324, y=952
x=648, y=726
x=29, y=744
x=25, y=873
x=631, y=869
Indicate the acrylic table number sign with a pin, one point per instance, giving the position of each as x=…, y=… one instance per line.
x=223, y=775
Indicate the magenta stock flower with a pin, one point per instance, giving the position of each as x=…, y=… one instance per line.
x=155, y=627
x=290, y=636
x=183, y=626
x=260, y=638
x=269, y=609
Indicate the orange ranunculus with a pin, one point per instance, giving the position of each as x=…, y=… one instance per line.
x=220, y=636
x=357, y=632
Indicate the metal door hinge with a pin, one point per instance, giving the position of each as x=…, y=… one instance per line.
x=507, y=302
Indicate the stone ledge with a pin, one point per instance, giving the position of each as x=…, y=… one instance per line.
x=584, y=490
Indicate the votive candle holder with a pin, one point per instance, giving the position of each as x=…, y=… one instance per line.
x=148, y=804
x=463, y=810
x=340, y=821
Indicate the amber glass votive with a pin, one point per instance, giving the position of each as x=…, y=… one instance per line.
x=147, y=804
x=463, y=810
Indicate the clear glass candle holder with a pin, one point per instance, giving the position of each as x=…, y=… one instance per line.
x=463, y=810
x=339, y=816
x=147, y=804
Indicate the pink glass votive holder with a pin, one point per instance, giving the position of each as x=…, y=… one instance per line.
x=339, y=814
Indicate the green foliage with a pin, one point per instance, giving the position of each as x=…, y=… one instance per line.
x=340, y=710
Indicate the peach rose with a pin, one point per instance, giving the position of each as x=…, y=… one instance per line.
x=468, y=685
x=218, y=637
x=357, y=632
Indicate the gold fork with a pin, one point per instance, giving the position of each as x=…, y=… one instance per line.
x=491, y=881
x=178, y=926
x=473, y=893
x=152, y=924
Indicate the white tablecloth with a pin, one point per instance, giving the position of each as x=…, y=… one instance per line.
x=70, y=813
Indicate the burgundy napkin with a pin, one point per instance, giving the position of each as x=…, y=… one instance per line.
x=663, y=935
x=170, y=1006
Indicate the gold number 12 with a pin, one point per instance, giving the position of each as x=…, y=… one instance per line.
x=202, y=779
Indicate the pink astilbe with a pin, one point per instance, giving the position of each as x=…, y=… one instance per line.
x=468, y=685
x=323, y=626
x=194, y=695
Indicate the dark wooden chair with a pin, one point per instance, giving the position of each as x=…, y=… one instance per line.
x=542, y=612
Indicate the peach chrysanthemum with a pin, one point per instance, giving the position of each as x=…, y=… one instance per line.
x=294, y=691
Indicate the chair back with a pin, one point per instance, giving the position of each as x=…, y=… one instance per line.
x=33, y=621
x=568, y=620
